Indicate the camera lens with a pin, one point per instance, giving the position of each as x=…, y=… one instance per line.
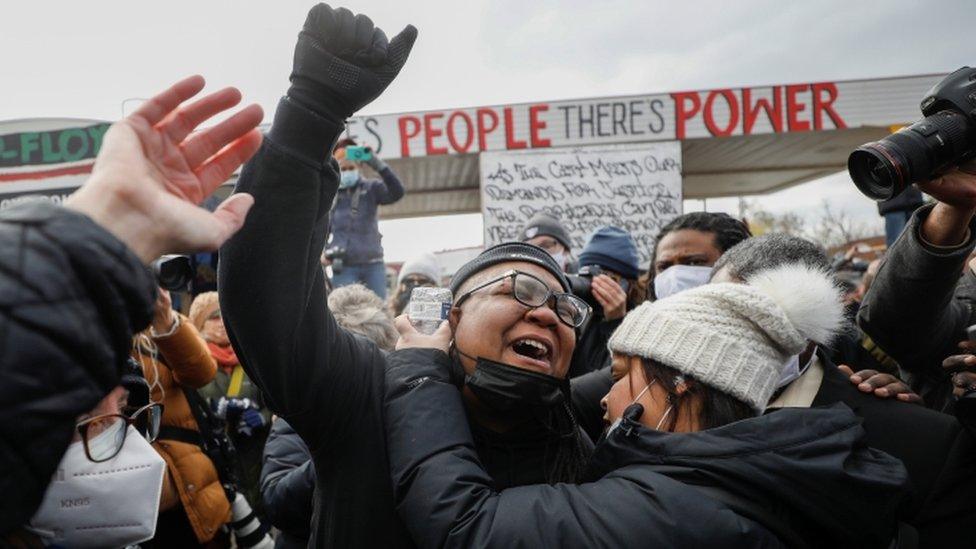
x=877, y=173
x=883, y=169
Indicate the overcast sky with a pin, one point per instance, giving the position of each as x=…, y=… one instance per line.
x=82, y=59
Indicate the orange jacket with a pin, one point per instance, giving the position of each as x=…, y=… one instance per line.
x=183, y=359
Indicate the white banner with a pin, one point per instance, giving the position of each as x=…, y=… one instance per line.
x=634, y=187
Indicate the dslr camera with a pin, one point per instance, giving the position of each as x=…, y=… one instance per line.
x=581, y=284
x=173, y=272
x=943, y=139
x=337, y=257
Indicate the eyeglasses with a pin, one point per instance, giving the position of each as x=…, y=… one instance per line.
x=104, y=435
x=533, y=293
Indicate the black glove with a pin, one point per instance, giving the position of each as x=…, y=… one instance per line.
x=342, y=62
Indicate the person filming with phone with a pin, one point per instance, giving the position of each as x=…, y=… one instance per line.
x=354, y=250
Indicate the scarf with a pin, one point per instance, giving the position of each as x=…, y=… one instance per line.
x=225, y=356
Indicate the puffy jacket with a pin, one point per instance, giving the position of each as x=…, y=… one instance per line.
x=185, y=362
x=802, y=473
x=918, y=308
x=354, y=222
x=287, y=485
x=71, y=296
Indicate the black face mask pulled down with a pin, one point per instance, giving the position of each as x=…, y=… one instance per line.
x=536, y=403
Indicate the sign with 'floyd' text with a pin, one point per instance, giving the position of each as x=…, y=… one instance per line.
x=634, y=187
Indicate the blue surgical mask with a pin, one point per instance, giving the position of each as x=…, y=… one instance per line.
x=678, y=278
x=348, y=178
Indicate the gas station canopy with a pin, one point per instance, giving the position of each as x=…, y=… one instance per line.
x=734, y=141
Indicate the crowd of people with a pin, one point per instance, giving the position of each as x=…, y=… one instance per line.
x=740, y=390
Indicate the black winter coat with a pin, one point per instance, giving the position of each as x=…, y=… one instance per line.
x=917, y=309
x=71, y=297
x=807, y=469
x=938, y=453
x=287, y=485
x=326, y=382
x=591, y=351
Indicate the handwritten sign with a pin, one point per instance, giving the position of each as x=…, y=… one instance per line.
x=634, y=187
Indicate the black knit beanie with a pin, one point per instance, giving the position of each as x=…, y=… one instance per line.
x=509, y=251
x=543, y=224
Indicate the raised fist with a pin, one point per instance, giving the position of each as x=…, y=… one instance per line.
x=342, y=62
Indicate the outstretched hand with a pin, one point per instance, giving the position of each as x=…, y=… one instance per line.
x=151, y=173
x=343, y=62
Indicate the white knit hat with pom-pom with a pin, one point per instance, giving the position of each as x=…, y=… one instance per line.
x=736, y=338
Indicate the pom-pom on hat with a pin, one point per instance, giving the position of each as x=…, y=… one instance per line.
x=736, y=337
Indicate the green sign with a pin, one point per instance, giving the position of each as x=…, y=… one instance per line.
x=51, y=147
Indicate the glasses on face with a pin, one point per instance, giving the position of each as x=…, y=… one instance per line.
x=104, y=435
x=533, y=293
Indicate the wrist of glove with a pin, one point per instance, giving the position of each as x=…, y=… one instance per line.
x=342, y=61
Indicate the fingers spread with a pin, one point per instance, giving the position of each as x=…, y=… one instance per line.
x=208, y=142
x=159, y=106
x=179, y=123
x=218, y=168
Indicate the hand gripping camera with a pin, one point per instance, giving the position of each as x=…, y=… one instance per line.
x=944, y=138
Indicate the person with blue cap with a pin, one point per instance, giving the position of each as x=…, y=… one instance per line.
x=610, y=261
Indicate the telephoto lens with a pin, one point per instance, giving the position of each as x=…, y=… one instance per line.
x=944, y=138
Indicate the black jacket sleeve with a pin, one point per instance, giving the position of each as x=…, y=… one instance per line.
x=445, y=497
x=287, y=480
x=71, y=296
x=910, y=311
x=272, y=289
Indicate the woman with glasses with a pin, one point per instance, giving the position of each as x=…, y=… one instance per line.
x=106, y=491
x=174, y=359
x=234, y=399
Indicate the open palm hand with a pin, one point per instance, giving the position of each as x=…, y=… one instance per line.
x=152, y=172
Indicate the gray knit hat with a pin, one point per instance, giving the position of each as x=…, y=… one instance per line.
x=425, y=265
x=544, y=224
x=736, y=337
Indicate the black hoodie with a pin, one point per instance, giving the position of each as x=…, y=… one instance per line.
x=808, y=469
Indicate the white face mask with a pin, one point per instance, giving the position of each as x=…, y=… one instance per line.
x=792, y=371
x=109, y=504
x=560, y=259
x=678, y=278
